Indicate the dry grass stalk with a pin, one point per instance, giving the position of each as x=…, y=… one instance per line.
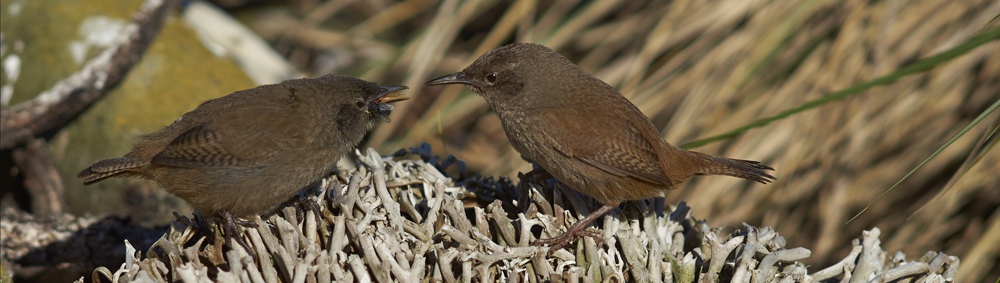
x=702, y=68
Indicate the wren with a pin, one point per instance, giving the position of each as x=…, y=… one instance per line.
x=583, y=132
x=246, y=153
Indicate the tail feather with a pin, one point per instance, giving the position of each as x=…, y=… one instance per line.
x=746, y=169
x=107, y=168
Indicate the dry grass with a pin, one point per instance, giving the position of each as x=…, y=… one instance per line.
x=700, y=68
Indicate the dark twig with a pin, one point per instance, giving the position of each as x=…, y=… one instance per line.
x=41, y=178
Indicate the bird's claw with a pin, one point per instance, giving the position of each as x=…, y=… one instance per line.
x=559, y=242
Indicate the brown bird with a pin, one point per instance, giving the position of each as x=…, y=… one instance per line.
x=583, y=132
x=246, y=153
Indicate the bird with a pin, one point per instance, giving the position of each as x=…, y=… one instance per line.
x=246, y=153
x=583, y=132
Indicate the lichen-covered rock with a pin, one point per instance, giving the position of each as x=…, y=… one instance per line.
x=51, y=40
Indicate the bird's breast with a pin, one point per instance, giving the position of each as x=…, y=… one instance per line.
x=526, y=136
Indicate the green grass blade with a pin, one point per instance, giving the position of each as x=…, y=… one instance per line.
x=959, y=134
x=965, y=169
x=921, y=66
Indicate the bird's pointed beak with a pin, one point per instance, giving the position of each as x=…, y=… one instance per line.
x=456, y=78
x=389, y=94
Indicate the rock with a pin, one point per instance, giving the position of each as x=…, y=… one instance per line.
x=175, y=75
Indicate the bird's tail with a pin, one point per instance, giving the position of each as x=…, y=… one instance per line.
x=746, y=169
x=107, y=168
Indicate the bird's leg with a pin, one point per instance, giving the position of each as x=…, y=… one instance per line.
x=201, y=224
x=302, y=204
x=231, y=231
x=538, y=172
x=577, y=230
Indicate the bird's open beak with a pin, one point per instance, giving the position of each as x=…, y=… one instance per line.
x=388, y=94
x=456, y=78
x=380, y=104
x=391, y=97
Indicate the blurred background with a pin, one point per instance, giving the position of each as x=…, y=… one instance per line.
x=695, y=68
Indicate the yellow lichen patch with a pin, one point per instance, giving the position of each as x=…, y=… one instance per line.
x=174, y=78
x=41, y=34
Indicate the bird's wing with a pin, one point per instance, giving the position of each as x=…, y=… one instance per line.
x=615, y=144
x=199, y=147
x=247, y=129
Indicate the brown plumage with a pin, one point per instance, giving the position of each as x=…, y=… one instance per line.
x=584, y=132
x=248, y=152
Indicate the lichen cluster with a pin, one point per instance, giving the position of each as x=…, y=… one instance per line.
x=403, y=220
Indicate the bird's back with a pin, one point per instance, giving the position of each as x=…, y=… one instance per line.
x=253, y=139
x=591, y=138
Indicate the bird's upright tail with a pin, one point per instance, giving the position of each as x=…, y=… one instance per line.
x=746, y=169
x=107, y=168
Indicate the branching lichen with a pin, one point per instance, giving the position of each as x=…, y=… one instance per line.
x=406, y=221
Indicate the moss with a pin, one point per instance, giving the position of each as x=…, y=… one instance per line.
x=46, y=29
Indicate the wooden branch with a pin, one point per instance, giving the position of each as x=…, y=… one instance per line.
x=41, y=178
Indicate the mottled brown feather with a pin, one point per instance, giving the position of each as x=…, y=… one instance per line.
x=199, y=148
x=618, y=152
x=107, y=168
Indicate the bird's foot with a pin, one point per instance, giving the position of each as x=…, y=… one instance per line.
x=559, y=242
x=536, y=174
x=302, y=204
x=230, y=231
x=577, y=229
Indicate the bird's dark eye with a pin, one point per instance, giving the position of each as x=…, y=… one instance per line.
x=359, y=104
x=492, y=77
